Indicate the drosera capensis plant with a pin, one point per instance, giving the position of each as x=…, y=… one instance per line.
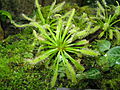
x=57, y=45
x=107, y=21
x=60, y=45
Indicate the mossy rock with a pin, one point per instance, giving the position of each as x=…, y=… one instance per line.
x=16, y=7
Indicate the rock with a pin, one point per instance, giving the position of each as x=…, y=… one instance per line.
x=17, y=7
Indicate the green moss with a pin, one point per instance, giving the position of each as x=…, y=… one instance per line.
x=17, y=74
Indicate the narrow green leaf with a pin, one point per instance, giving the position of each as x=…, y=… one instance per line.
x=81, y=34
x=70, y=68
x=70, y=49
x=29, y=19
x=53, y=5
x=43, y=56
x=101, y=34
x=23, y=25
x=88, y=26
x=77, y=65
x=54, y=76
x=106, y=26
x=93, y=30
x=117, y=35
x=56, y=71
x=66, y=15
x=104, y=3
x=44, y=47
x=43, y=31
x=6, y=14
x=35, y=34
x=69, y=38
x=115, y=22
x=117, y=10
x=111, y=34
x=39, y=11
x=59, y=29
x=47, y=42
x=68, y=74
x=51, y=32
x=58, y=8
x=89, y=52
x=82, y=42
x=101, y=7
x=50, y=12
x=68, y=24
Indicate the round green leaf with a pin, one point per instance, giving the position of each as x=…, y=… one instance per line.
x=114, y=55
x=103, y=45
